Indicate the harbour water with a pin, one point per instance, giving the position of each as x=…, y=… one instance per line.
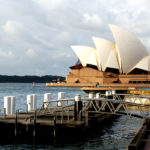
x=116, y=135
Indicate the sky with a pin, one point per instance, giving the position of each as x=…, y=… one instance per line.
x=36, y=35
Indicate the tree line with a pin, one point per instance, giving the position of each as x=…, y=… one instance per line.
x=30, y=79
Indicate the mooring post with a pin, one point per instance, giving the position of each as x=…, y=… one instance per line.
x=34, y=125
x=54, y=132
x=61, y=95
x=4, y=113
x=86, y=118
x=75, y=112
x=16, y=124
x=98, y=97
x=77, y=107
x=26, y=108
x=91, y=97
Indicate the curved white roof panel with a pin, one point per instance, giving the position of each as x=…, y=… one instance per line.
x=143, y=64
x=149, y=62
x=131, y=50
x=93, y=59
x=103, y=50
x=118, y=58
x=83, y=53
x=112, y=60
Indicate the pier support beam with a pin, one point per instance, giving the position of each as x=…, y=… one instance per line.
x=34, y=125
x=4, y=113
x=77, y=107
x=86, y=119
x=16, y=124
x=54, y=131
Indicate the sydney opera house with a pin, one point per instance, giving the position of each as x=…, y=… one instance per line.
x=125, y=61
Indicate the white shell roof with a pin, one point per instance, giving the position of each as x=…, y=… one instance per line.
x=131, y=50
x=103, y=50
x=93, y=59
x=143, y=64
x=126, y=54
x=148, y=62
x=83, y=53
x=112, y=60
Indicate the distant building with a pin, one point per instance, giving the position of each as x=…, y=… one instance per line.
x=126, y=61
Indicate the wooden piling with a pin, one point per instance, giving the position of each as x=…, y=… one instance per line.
x=54, y=130
x=75, y=111
x=77, y=107
x=86, y=118
x=26, y=108
x=34, y=124
x=16, y=124
x=4, y=113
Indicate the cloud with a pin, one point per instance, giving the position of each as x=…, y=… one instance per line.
x=10, y=27
x=62, y=55
x=31, y=53
x=93, y=20
x=39, y=32
x=50, y=4
x=8, y=54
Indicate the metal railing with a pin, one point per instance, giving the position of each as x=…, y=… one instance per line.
x=64, y=109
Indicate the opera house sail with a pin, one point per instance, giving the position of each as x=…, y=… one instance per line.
x=124, y=61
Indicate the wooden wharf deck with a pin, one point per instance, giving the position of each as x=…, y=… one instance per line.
x=36, y=125
x=73, y=117
x=104, y=89
x=141, y=141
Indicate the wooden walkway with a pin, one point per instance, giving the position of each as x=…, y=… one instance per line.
x=47, y=124
x=73, y=116
x=141, y=140
x=104, y=85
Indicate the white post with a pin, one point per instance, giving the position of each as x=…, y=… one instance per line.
x=13, y=105
x=77, y=107
x=47, y=97
x=77, y=98
x=98, y=95
x=7, y=101
x=113, y=92
x=61, y=95
x=34, y=101
x=106, y=93
x=30, y=102
x=91, y=95
x=110, y=93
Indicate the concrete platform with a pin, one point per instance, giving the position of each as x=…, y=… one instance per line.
x=71, y=84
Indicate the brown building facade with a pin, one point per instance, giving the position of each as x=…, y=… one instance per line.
x=92, y=75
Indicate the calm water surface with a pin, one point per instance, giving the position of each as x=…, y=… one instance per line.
x=116, y=135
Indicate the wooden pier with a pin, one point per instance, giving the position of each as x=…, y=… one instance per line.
x=49, y=124
x=104, y=89
x=102, y=85
x=141, y=140
x=71, y=84
x=64, y=119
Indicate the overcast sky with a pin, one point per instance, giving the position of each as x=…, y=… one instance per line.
x=35, y=35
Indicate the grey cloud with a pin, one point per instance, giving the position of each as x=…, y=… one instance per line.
x=38, y=33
